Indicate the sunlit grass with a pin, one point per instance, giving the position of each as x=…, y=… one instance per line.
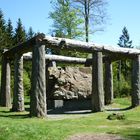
x=19, y=126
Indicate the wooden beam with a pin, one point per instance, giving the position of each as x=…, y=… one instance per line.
x=18, y=96
x=66, y=59
x=97, y=95
x=68, y=44
x=136, y=82
x=108, y=82
x=24, y=47
x=62, y=59
x=5, y=95
x=38, y=87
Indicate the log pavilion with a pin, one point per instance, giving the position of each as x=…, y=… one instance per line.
x=100, y=54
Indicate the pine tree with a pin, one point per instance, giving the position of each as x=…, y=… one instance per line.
x=20, y=34
x=124, y=40
x=9, y=34
x=124, y=66
x=30, y=33
x=2, y=31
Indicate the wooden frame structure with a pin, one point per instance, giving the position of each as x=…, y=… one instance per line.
x=37, y=45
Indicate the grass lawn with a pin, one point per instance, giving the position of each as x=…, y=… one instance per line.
x=18, y=126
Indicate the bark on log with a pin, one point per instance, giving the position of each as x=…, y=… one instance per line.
x=24, y=47
x=38, y=94
x=5, y=96
x=136, y=82
x=62, y=59
x=108, y=83
x=97, y=83
x=69, y=44
x=18, y=96
x=70, y=60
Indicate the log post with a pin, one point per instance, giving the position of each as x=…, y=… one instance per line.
x=136, y=82
x=18, y=96
x=38, y=94
x=5, y=96
x=108, y=82
x=97, y=83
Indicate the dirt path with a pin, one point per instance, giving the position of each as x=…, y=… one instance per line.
x=95, y=137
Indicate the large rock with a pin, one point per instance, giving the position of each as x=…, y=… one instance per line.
x=69, y=83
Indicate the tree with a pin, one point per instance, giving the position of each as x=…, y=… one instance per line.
x=93, y=12
x=2, y=31
x=65, y=19
x=30, y=33
x=20, y=34
x=9, y=34
x=124, y=66
x=124, y=40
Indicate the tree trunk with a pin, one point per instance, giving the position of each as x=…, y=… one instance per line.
x=119, y=77
x=5, y=96
x=38, y=94
x=86, y=21
x=108, y=82
x=97, y=83
x=18, y=96
x=136, y=82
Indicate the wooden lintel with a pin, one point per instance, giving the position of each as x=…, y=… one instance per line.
x=24, y=47
x=69, y=44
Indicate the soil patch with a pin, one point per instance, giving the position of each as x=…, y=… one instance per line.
x=95, y=137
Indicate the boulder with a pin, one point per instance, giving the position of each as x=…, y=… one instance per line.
x=69, y=83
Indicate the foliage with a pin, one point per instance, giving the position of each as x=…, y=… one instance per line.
x=30, y=33
x=93, y=12
x=65, y=20
x=123, y=68
x=27, y=78
x=124, y=40
x=66, y=24
x=20, y=34
x=121, y=88
x=26, y=83
x=116, y=116
x=10, y=37
x=9, y=34
x=2, y=31
x=18, y=125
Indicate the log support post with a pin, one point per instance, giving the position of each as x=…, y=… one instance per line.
x=97, y=83
x=18, y=96
x=38, y=95
x=5, y=96
x=108, y=82
x=136, y=82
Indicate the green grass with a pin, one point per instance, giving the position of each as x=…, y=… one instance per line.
x=18, y=126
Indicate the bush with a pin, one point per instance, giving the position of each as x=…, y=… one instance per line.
x=121, y=88
x=116, y=116
x=26, y=83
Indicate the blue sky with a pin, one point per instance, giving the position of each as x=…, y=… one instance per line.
x=35, y=13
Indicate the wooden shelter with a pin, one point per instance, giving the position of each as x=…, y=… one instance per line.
x=36, y=45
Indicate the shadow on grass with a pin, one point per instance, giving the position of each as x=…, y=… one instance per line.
x=14, y=115
x=67, y=111
x=131, y=133
x=120, y=109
